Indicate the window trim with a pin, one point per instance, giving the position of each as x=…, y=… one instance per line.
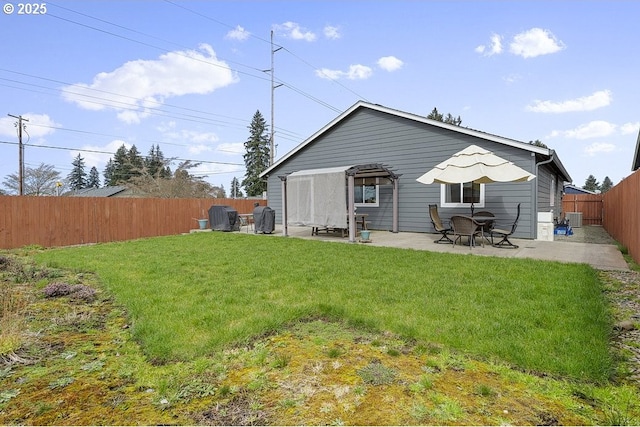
x=445, y=204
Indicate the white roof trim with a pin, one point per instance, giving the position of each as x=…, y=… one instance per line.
x=417, y=118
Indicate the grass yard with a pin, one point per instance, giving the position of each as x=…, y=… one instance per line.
x=189, y=296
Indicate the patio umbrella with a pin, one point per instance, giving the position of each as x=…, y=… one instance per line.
x=475, y=165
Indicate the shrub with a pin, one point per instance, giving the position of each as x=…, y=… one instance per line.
x=76, y=292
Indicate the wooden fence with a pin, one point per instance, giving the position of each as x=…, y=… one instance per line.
x=63, y=221
x=622, y=214
x=590, y=205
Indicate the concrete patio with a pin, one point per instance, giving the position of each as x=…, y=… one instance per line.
x=575, y=249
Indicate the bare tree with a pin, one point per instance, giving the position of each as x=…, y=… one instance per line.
x=181, y=185
x=40, y=181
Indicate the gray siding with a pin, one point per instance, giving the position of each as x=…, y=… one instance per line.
x=409, y=148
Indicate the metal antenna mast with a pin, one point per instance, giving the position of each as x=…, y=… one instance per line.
x=272, y=144
x=20, y=153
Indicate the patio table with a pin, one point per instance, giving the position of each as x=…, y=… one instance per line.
x=481, y=220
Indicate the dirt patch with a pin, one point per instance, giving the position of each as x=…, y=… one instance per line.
x=588, y=234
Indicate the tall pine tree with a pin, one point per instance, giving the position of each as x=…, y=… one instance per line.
x=256, y=158
x=606, y=184
x=94, y=178
x=78, y=177
x=591, y=184
x=235, y=188
x=156, y=164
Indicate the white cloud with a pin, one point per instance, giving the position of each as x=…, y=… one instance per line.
x=136, y=87
x=599, y=147
x=238, y=33
x=594, y=129
x=512, y=78
x=535, y=42
x=629, y=128
x=390, y=63
x=494, y=49
x=38, y=126
x=197, y=142
x=586, y=103
x=331, y=32
x=355, y=72
x=294, y=31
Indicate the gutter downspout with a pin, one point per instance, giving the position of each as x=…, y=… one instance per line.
x=552, y=154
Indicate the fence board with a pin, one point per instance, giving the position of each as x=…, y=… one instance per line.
x=622, y=218
x=63, y=221
x=591, y=206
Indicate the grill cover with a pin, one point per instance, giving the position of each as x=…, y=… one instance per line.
x=224, y=218
x=264, y=219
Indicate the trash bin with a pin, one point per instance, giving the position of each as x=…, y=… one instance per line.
x=264, y=219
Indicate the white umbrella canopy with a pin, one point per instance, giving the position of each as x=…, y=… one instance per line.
x=477, y=165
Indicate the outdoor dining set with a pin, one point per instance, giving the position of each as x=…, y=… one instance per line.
x=479, y=226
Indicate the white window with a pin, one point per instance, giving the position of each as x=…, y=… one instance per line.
x=462, y=195
x=552, y=196
x=367, y=192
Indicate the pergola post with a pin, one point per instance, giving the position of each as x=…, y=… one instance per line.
x=351, y=207
x=285, y=228
x=394, y=226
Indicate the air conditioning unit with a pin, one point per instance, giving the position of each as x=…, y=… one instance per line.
x=575, y=219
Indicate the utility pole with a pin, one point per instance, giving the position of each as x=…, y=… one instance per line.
x=20, y=153
x=272, y=143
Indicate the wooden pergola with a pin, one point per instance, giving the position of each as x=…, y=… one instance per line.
x=370, y=173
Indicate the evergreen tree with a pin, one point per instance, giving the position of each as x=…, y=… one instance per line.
x=155, y=163
x=108, y=172
x=606, y=185
x=436, y=115
x=538, y=143
x=78, y=177
x=256, y=159
x=136, y=163
x=235, y=188
x=94, y=178
x=121, y=170
x=591, y=184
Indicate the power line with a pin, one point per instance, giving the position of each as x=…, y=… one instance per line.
x=88, y=150
x=297, y=90
x=133, y=107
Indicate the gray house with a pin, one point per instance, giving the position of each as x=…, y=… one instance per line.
x=409, y=145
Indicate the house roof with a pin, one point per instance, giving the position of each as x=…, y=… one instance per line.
x=545, y=152
x=576, y=189
x=100, y=192
x=636, y=157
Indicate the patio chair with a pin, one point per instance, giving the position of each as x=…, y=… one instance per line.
x=466, y=226
x=245, y=221
x=438, y=226
x=505, y=233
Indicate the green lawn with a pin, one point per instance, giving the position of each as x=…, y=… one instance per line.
x=190, y=295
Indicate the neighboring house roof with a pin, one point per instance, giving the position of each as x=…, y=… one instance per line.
x=636, y=157
x=422, y=119
x=572, y=189
x=100, y=192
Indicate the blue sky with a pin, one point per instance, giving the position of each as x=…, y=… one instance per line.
x=189, y=75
